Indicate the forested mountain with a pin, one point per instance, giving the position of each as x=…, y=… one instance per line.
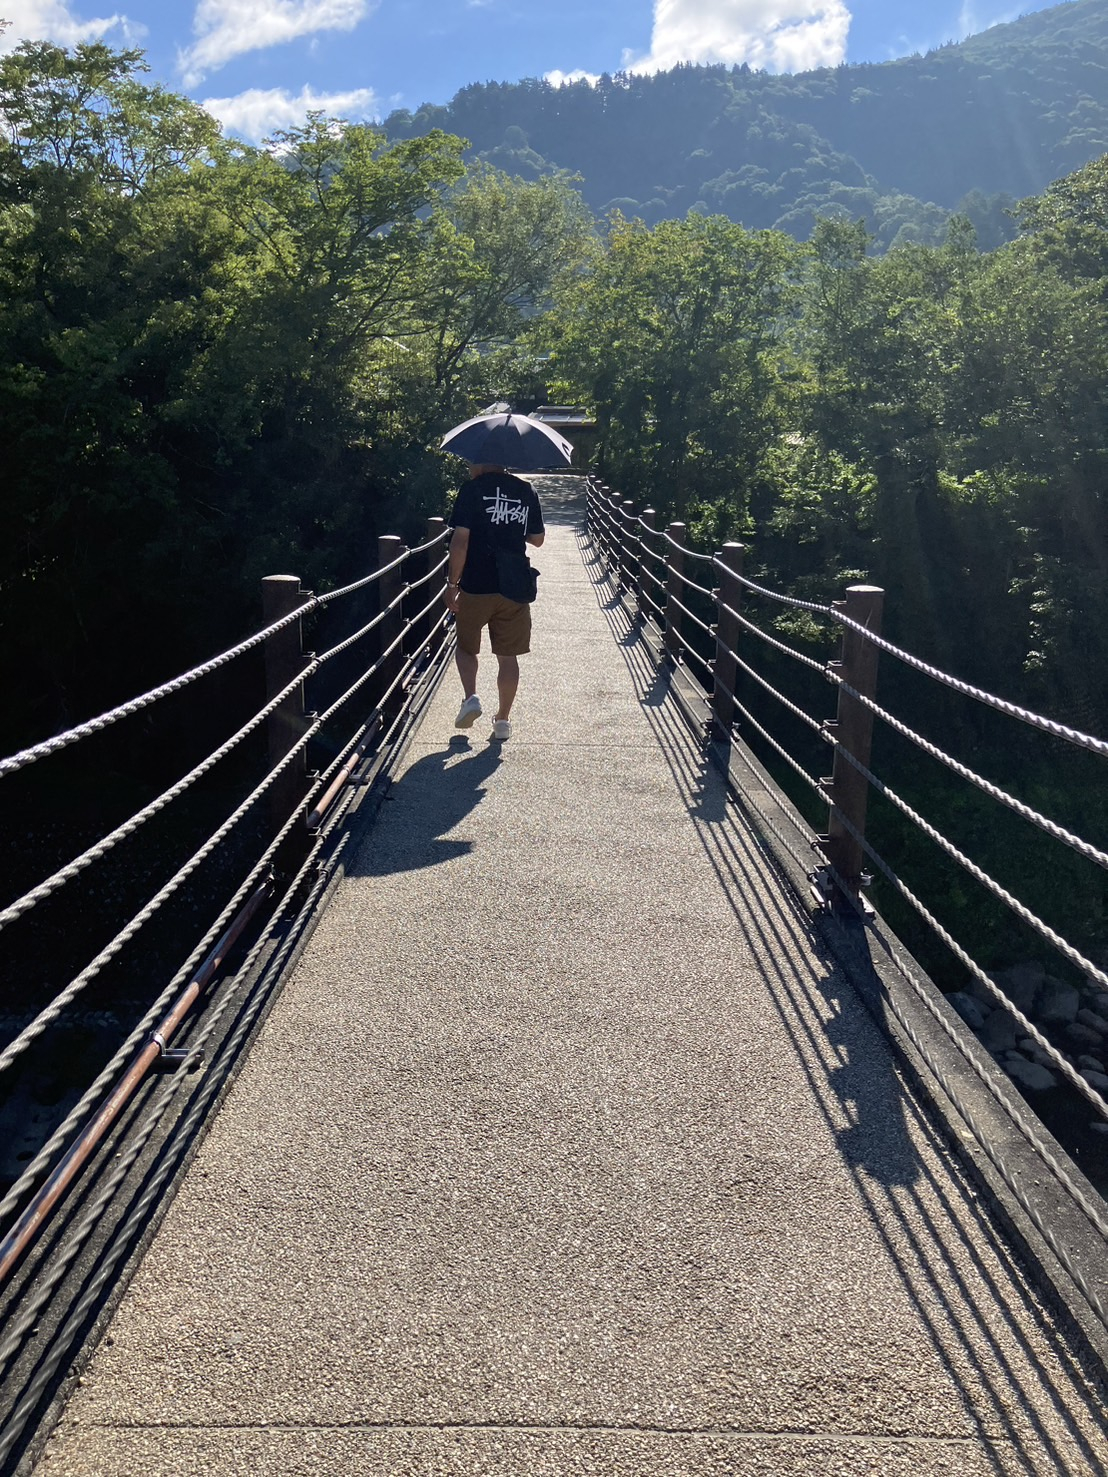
x=970, y=127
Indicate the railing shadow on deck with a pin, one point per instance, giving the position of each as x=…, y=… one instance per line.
x=856, y=1080
x=727, y=673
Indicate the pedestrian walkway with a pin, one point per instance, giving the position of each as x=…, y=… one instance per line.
x=567, y=1150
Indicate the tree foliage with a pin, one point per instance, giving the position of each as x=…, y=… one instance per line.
x=218, y=362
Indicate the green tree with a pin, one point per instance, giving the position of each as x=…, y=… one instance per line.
x=497, y=248
x=675, y=338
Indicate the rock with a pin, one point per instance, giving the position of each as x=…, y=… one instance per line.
x=1057, y=1003
x=968, y=1008
x=1083, y=1035
x=999, y=1031
x=1099, y=1080
x=1099, y=1126
x=1030, y=1075
x=1027, y=1044
x=1091, y=1018
x=1021, y=983
x=1093, y=1063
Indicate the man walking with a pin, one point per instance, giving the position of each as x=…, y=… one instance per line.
x=495, y=517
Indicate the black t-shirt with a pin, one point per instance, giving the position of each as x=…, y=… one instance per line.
x=500, y=511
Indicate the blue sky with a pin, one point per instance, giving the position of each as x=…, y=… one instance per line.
x=259, y=65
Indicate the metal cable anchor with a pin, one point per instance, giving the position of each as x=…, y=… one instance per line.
x=172, y=1057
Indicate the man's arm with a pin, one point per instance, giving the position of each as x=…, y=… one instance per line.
x=459, y=548
x=534, y=515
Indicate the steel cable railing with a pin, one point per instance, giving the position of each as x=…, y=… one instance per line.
x=1073, y=955
x=1031, y=1030
x=1025, y=812
x=841, y=887
x=67, y=995
x=1001, y=705
x=25, y=1325
x=126, y=710
x=405, y=646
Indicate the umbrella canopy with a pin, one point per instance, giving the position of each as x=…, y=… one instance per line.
x=509, y=441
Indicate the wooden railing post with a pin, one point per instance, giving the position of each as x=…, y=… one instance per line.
x=644, y=590
x=607, y=536
x=626, y=545
x=847, y=791
x=389, y=549
x=419, y=637
x=284, y=660
x=675, y=590
x=725, y=670
x=592, y=498
x=597, y=513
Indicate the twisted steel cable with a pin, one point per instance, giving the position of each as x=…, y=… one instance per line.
x=1025, y=812
x=432, y=573
x=797, y=712
x=987, y=1078
x=101, y=848
x=1045, y=1046
x=957, y=1038
x=779, y=748
x=1001, y=705
x=1044, y=931
x=381, y=615
x=690, y=651
x=50, y=1013
x=59, y=1265
x=367, y=579
x=797, y=656
x=135, y=705
x=684, y=609
x=688, y=553
x=691, y=584
x=177, y=684
x=747, y=584
x=161, y=1004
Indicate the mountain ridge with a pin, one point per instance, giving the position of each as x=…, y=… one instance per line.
x=970, y=126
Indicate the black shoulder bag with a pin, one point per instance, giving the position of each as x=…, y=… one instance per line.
x=516, y=576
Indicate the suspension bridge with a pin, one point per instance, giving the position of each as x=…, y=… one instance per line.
x=559, y=1106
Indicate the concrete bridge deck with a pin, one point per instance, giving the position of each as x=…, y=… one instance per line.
x=568, y=1150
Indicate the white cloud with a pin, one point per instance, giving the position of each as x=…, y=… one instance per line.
x=774, y=35
x=256, y=114
x=53, y=20
x=563, y=79
x=227, y=28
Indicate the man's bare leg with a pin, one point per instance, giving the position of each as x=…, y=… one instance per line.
x=467, y=671
x=507, y=681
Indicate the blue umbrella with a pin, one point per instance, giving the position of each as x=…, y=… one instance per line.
x=509, y=441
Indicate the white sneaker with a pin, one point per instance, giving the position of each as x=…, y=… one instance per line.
x=468, y=713
x=501, y=728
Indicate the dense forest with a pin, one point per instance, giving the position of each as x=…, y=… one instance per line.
x=220, y=362
x=968, y=128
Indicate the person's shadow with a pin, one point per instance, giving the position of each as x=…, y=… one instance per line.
x=430, y=800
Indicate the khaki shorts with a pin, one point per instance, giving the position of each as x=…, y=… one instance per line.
x=509, y=624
